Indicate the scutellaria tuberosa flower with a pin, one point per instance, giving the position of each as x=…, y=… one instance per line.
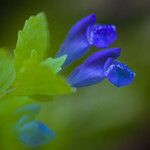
x=102, y=64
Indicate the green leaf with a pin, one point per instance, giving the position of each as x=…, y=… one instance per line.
x=37, y=79
x=54, y=63
x=35, y=35
x=7, y=72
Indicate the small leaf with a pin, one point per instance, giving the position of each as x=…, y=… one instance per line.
x=55, y=63
x=7, y=74
x=35, y=35
x=37, y=79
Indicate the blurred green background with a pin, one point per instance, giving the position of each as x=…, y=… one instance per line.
x=101, y=117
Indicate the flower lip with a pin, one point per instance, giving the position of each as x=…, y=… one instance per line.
x=119, y=74
x=101, y=35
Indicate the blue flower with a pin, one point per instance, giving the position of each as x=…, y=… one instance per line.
x=99, y=66
x=35, y=133
x=85, y=34
x=30, y=132
x=102, y=64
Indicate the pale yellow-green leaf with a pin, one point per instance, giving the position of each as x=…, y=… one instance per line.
x=35, y=35
x=54, y=63
x=37, y=79
x=7, y=72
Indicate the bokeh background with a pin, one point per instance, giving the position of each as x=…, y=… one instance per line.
x=100, y=117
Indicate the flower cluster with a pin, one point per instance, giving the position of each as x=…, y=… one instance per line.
x=102, y=64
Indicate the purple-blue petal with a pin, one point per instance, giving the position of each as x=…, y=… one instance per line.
x=35, y=133
x=119, y=74
x=92, y=70
x=76, y=44
x=108, y=62
x=100, y=57
x=85, y=76
x=101, y=36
